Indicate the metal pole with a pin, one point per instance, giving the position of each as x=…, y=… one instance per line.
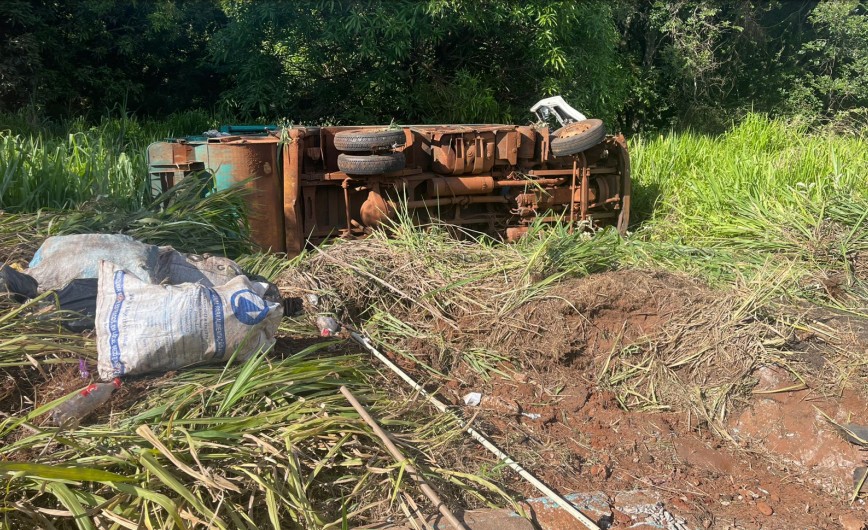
x=479, y=437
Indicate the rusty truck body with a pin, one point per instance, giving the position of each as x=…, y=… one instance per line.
x=314, y=183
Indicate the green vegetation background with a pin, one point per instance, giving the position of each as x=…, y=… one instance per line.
x=638, y=65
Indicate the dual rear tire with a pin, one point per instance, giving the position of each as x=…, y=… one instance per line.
x=373, y=142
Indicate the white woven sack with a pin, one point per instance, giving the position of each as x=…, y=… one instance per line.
x=143, y=327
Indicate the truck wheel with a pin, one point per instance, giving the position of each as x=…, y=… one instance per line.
x=577, y=137
x=370, y=164
x=368, y=140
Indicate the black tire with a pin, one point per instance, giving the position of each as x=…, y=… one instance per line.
x=370, y=164
x=360, y=141
x=577, y=137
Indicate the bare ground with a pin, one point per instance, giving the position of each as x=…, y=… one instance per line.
x=772, y=460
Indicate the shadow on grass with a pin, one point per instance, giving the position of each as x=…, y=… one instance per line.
x=644, y=201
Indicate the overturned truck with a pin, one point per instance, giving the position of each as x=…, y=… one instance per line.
x=308, y=184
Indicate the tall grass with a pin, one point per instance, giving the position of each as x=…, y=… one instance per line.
x=762, y=194
x=38, y=172
x=84, y=177
x=47, y=165
x=184, y=217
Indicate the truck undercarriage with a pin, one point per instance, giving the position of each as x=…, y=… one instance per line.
x=314, y=183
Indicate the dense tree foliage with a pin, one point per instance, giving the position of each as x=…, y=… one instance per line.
x=642, y=65
x=78, y=56
x=414, y=61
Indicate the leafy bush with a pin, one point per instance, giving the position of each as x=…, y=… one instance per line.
x=832, y=86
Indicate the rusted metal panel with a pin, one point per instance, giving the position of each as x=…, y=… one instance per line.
x=626, y=182
x=546, y=198
x=253, y=160
x=175, y=155
x=169, y=163
x=447, y=201
x=458, y=154
x=292, y=162
x=514, y=233
x=528, y=140
x=507, y=146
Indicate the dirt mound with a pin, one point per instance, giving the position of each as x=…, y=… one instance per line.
x=661, y=341
x=593, y=315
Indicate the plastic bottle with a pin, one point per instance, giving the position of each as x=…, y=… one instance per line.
x=85, y=402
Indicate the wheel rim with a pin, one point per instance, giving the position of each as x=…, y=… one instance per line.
x=575, y=129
